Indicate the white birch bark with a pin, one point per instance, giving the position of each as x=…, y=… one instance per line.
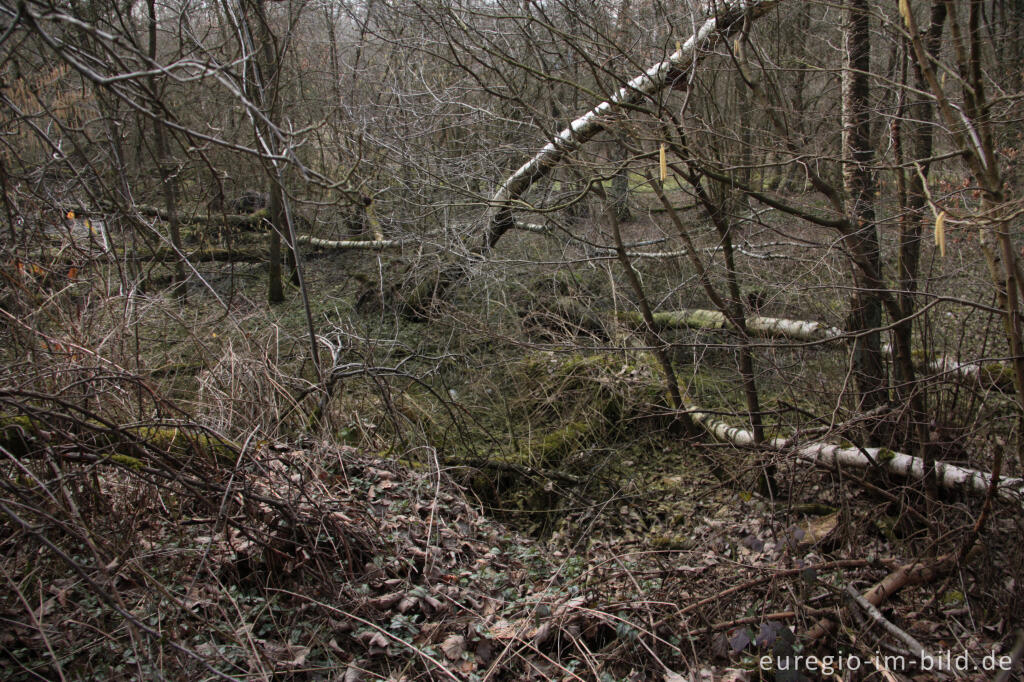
x=949, y=476
x=991, y=374
x=772, y=327
x=800, y=330
x=349, y=243
x=584, y=128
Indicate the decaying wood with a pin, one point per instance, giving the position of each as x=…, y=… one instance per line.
x=248, y=220
x=366, y=244
x=774, y=327
x=874, y=614
x=949, y=476
x=772, y=576
x=989, y=374
x=914, y=573
x=125, y=445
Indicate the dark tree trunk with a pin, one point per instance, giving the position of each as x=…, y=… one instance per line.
x=168, y=178
x=859, y=181
x=916, y=129
x=267, y=83
x=275, y=290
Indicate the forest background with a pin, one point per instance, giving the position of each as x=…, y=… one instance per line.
x=482, y=339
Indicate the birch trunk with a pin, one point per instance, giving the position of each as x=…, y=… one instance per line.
x=727, y=21
x=859, y=186
x=771, y=327
x=343, y=244
x=949, y=476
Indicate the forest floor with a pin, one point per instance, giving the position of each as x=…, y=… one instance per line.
x=495, y=491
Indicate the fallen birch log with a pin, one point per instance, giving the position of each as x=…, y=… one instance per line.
x=773, y=327
x=988, y=374
x=991, y=374
x=368, y=244
x=949, y=476
x=914, y=573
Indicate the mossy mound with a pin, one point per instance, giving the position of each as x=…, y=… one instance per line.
x=560, y=413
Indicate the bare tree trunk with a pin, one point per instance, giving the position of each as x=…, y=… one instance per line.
x=267, y=83
x=275, y=291
x=866, y=314
x=733, y=309
x=620, y=181
x=616, y=150
x=168, y=178
x=918, y=126
x=651, y=337
x=919, y=132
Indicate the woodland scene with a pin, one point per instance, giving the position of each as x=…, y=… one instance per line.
x=608, y=340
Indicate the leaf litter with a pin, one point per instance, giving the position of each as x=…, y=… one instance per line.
x=329, y=563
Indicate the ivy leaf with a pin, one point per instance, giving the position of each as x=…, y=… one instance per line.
x=740, y=640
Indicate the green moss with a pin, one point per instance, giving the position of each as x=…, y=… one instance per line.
x=555, y=446
x=885, y=454
x=886, y=525
x=578, y=363
x=953, y=597
x=679, y=319
x=22, y=421
x=19, y=420
x=16, y=434
x=127, y=461
x=180, y=442
x=671, y=542
x=997, y=374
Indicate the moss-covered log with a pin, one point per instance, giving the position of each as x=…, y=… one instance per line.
x=252, y=220
x=214, y=254
x=771, y=327
x=415, y=293
x=350, y=244
x=130, y=445
x=562, y=411
x=551, y=450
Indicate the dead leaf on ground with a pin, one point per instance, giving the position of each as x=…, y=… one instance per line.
x=453, y=647
x=815, y=530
